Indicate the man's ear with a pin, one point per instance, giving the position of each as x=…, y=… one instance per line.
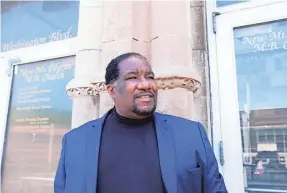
x=111, y=90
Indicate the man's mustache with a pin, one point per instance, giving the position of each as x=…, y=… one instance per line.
x=147, y=93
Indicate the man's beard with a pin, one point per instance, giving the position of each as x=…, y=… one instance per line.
x=145, y=112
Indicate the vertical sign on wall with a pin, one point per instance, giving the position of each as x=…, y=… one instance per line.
x=39, y=115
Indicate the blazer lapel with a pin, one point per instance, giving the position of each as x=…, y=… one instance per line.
x=92, y=154
x=166, y=153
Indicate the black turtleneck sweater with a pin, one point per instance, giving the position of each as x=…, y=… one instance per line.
x=128, y=158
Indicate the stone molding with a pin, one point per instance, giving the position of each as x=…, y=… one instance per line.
x=93, y=90
x=164, y=83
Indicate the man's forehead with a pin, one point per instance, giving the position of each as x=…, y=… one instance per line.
x=134, y=64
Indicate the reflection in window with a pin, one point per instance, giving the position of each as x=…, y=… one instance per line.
x=254, y=141
x=30, y=23
x=279, y=136
x=261, y=68
x=280, y=146
x=262, y=137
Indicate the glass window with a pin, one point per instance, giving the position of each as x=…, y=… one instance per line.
x=30, y=23
x=39, y=115
x=279, y=136
x=262, y=137
x=261, y=68
x=280, y=147
x=253, y=140
x=221, y=3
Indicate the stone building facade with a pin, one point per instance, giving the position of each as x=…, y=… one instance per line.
x=219, y=62
x=171, y=34
x=52, y=75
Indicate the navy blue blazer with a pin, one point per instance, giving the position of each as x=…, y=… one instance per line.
x=187, y=161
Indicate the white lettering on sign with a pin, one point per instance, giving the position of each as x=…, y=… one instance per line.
x=267, y=42
x=265, y=46
x=44, y=73
x=254, y=39
x=54, y=36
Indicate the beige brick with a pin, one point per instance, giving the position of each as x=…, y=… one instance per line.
x=125, y=19
x=106, y=103
x=169, y=102
x=142, y=20
x=90, y=33
x=197, y=28
x=170, y=50
x=202, y=90
x=197, y=3
x=170, y=17
x=197, y=19
x=85, y=109
x=115, y=48
x=198, y=62
x=199, y=109
x=86, y=64
x=117, y=20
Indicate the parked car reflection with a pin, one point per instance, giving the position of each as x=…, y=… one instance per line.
x=268, y=170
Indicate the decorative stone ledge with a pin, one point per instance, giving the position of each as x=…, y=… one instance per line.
x=164, y=83
x=189, y=84
x=93, y=90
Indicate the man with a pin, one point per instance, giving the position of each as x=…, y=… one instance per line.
x=132, y=149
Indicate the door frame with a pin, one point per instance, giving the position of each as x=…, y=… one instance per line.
x=10, y=59
x=223, y=83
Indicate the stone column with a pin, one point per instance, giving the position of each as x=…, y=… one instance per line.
x=161, y=31
x=170, y=57
x=126, y=28
x=84, y=94
x=199, y=62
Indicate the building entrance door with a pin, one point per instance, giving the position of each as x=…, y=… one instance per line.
x=251, y=49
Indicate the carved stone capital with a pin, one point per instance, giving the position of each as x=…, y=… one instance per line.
x=172, y=82
x=93, y=90
x=164, y=83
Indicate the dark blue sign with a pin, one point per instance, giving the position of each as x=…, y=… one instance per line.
x=30, y=23
x=39, y=92
x=39, y=115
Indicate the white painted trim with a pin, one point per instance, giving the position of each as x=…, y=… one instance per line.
x=41, y=52
x=215, y=102
x=5, y=85
x=230, y=126
x=246, y=5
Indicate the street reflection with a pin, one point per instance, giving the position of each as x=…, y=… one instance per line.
x=261, y=67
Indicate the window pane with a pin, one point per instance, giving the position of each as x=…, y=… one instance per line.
x=262, y=137
x=221, y=3
x=279, y=136
x=39, y=115
x=30, y=23
x=260, y=53
x=253, y=140
x=280, y=147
